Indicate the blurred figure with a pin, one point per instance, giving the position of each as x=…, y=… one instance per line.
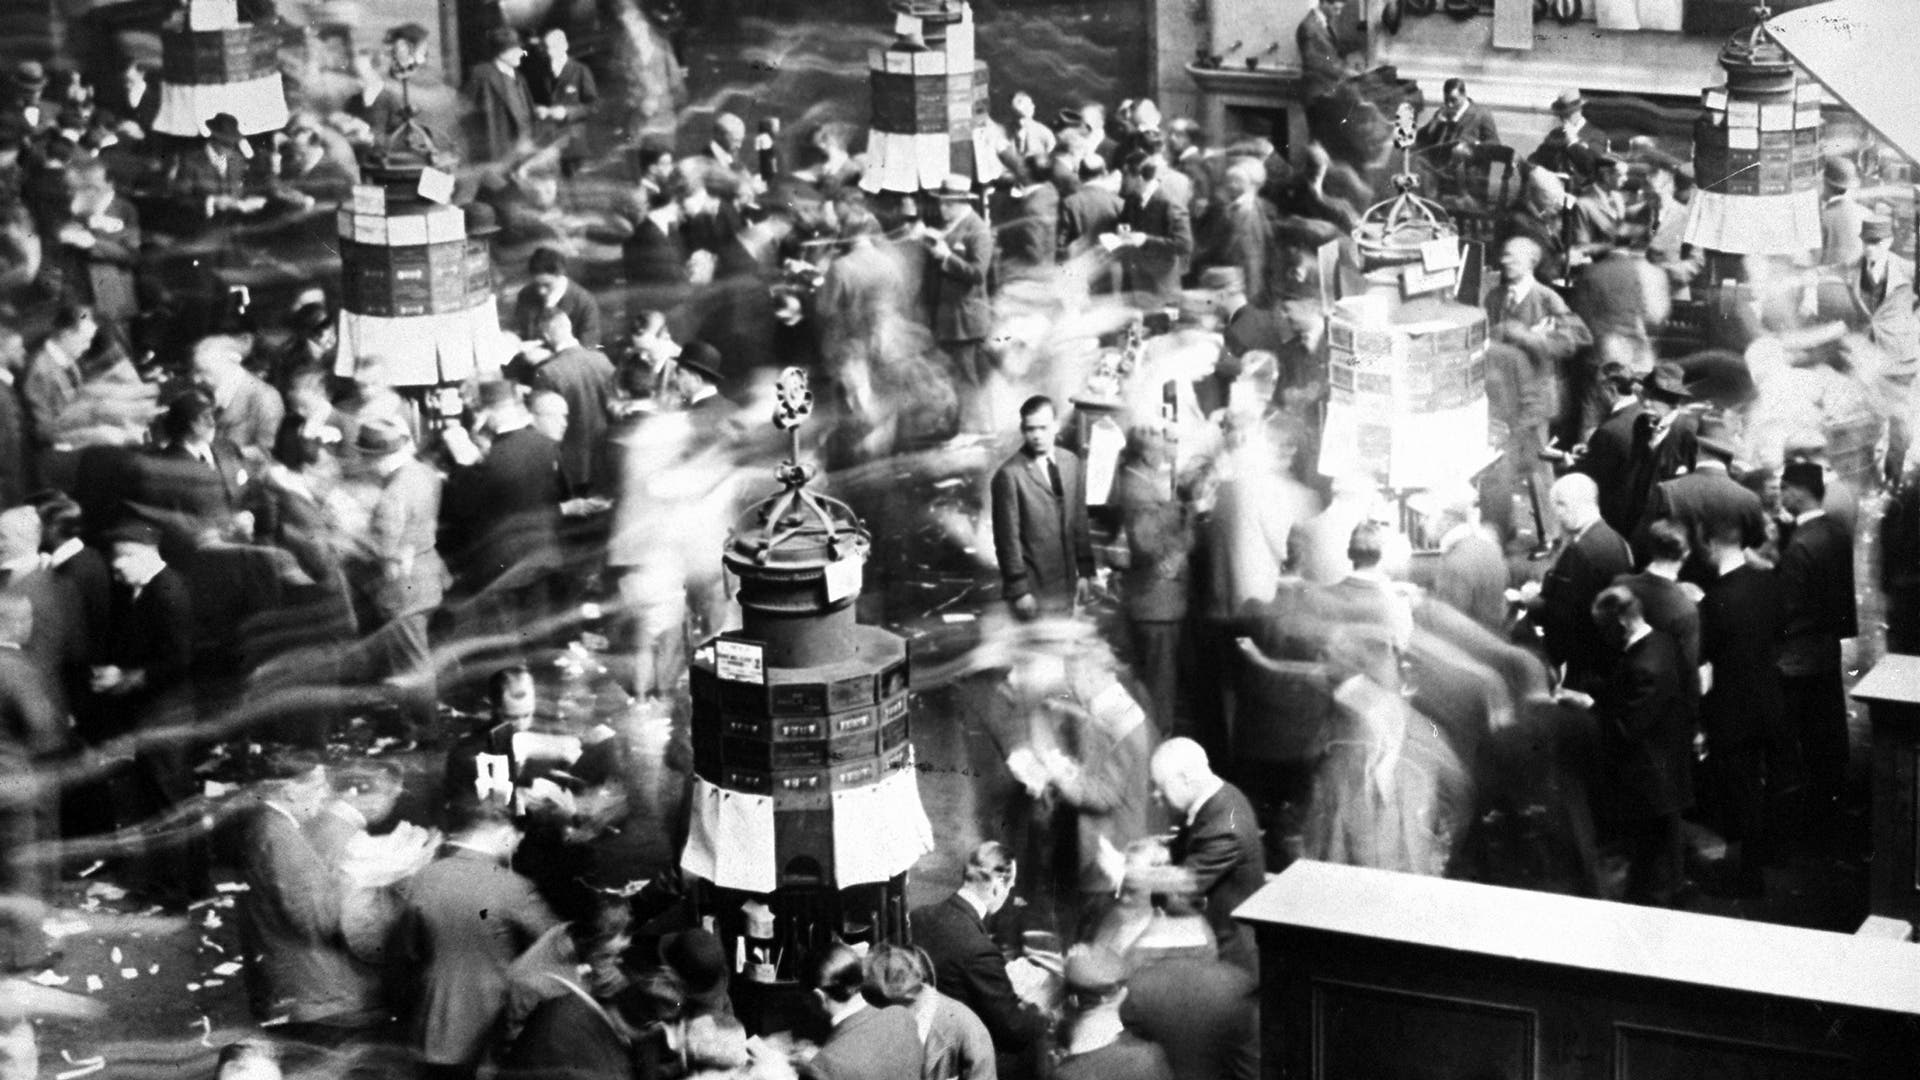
x=32, y=732
x=866, y=1042
x=1040, y=519
x=54, y=376
x=1201, y=1011
x=399, y=578
x=466, y=917
x=584, y=1030
x=1216, y=839
x=248, y=411
x=248, y=1059
x=1154, y=521
x=955, y=1042
x=500, y=110
x=1573, y=147
x=959, y=256
x=1095, y=1043
x=1472, y=575
x=507, y=506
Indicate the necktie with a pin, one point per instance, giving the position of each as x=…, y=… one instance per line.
x=1053, y=475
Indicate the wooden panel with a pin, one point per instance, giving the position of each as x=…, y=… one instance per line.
x=1642, y=1053
x=1383, y=1034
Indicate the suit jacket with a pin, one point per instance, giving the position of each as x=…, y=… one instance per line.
x=1740, y=636
x=1472, y=577
x=569, y=1036
x=1441, y=133
x=653, y=257
x=872, y=1044
x=1221, y=848
x=1610, y=461
x=195, y=495
x=194, y=179
x=1646, y=735
x=1041, y=539
x=53, y=384
x=465, y=917
x=1668, y=609
x=1816, y=596
x=1202, y=1012
x=1156, y=265
x=1573, y=158
x=1586, y=566
x=961, y=310
x=508, y=505
x=58, y=646
x=968, y=967
x=500, y=116
x=405, y=575
x=250, y=420
x=572, y=89
x=1322, y=66
x=585, y=377
x=1084, y=215
x=1703, y=502
x=530, y=313
x=154, y=634
x=291, y=915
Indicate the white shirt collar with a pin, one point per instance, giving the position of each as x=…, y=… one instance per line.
x=1644, y=630
x=59, y=556
x=978, y=905
x=720, y=154
x=854, y=1008
x=1208, y=789
x=1802, y=519
x=1518, y=290
x=511, y=71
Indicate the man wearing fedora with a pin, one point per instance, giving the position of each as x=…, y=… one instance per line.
x=214, y=184
x=500, y=108
x=401, y=580
x=1705, y=502
x=959, y=254
x=28, y=83
x=1572, y=148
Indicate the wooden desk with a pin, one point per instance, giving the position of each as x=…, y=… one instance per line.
x=1891, y=692
x=1376, y=975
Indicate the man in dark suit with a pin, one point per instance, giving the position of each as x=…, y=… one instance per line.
x=1667, y=605
x=290, y=913
x=507, y=505
x=967, y=965
x=466, y=916
x=866, y=1042
x=1449, y=137
x=1030, y=232
x=1573, y=146
x=1216, y=841
x=959, y=254
x=1040, y=532
x=1705, y=501
x=1817, y=612
x=212, y=185
x=563, y=93
x=198, y=479
x=143, y=685
x=1323, y=63
x=585, y=377
x=1089, y=207
x=549, y=289
x=1645, y=742
x=1742, y=712
x=500, y=110
x=1611, y=455
x=1591, y=556
x=1155, y=238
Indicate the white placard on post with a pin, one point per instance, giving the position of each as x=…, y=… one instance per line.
x=740, y=661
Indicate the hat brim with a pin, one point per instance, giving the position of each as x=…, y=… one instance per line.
x=1716, y=447
x=703, y=370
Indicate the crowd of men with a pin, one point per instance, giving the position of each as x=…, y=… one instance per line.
x=217, y=532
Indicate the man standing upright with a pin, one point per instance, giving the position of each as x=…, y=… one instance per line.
x=1216, y=840
x=959, y=253
x=1592, y=555
x=1818, y=610
x=1742, y=713
x=1703, y=502
x=584, y=376
x=402, y=579
x=501, y=120
x=563, y=94
x=1156, y=237
x=1323, y=63
x=1040, y=518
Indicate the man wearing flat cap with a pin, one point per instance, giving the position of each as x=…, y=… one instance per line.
x=499, y=105
x=1098, y=1044
x=1573, y=146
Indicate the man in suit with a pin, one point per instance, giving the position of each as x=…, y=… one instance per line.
x=1880, y=291
x=198, y=479
x=563, y=93
x=968, y=966
x=32, y=734
x=1572, y=147
x=400, y=579
x=1591, y=556
x=247, y=411
x=1154, y=237
x=500, y=110
x=1602, y=218
x=54, y=380
x=866, y=1042
x=1029, y=137
x=1742, y=709
x=1216, y=841
x=1096, y=1044
x=1472, y=575
x=1040, y=532
x=549, y=289
x=290, y=913
x=507, y=504
x=1449, y=137
x=1817, y=612
x=1705, y=501
x=1841, y=215
x=464, y=919
x=1089, y=207
x=213, y=185
x=58, y=646
x=1029, y=237
x=375, y=103
x=143, y=684
x=959, y=254
x=585, y=377
x=1646, y=739
x=1668, y=606
x=1323, y=63
x=1610, y=458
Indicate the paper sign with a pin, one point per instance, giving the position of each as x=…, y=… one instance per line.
x=740, y=661
x=435, y=186
x=1744, y=114
x=1512, y=24
x=1715, y=98
x=1743, y=138
x=986, y=155
x=1414, y=281
x=493, y=774
x=844, y=578
x=1776, y=117
x=1105, y=440
x=369, y=199
x=1441, y=254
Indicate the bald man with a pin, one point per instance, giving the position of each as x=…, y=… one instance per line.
x=1592, y=555
x=1216, y=839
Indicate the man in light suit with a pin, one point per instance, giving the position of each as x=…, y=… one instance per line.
x=465, y=918
x=401, y=579
x=867, y=1042
x=959, y=254
x=248, y=411
x=1040, y=532
x=501, y=120
x=1216, y=840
